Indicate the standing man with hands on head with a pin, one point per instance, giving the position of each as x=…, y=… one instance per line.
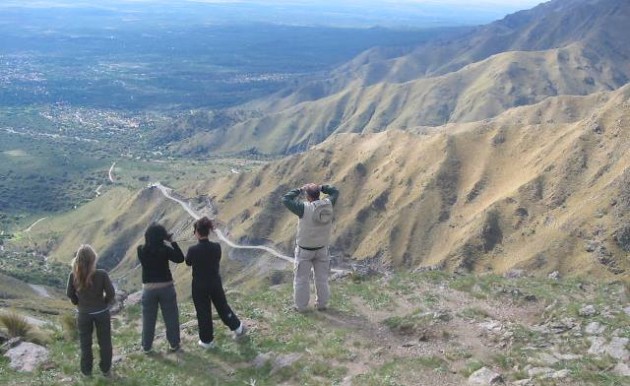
x=315, y=216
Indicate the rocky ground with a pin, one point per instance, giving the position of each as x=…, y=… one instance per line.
x=384, y=329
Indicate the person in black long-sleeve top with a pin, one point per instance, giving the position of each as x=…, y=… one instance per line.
x=207, y=288
x=158, y=288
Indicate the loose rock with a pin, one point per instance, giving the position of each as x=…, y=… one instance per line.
x=27, y=356
x=485, y=376
x=594, y=328
x=587, y=311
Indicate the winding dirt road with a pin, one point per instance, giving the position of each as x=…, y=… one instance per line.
x=35, y=223
x=110, y=173
x=167, y=192
x=41, y=290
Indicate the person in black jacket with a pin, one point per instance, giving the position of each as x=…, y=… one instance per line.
x=158, y=288
x=207, y=288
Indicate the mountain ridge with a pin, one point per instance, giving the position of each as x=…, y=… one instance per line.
x=553, y=49
x=466, y=180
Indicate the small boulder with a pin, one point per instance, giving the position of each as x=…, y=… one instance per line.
x=555, y=275
x=616, y=348
x=594, y=328
x=622, y=369
x=27, y=356
x=485, y=376
x=587, y=311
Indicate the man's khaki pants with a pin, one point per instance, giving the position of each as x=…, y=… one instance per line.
x=306, y=261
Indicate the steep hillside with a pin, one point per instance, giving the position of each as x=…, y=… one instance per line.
x=554, y=49
x=542, y=187
x=113, y=224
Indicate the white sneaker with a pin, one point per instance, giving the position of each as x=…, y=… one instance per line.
x=206, y=345
x=240, y=331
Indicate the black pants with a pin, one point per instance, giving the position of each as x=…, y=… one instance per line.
x=202, y=296
x=86, y=324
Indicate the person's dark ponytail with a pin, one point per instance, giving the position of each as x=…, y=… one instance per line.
x=203, y=226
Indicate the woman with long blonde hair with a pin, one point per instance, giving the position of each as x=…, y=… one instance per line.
x=91, y=290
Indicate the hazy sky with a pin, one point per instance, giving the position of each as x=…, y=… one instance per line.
x=503, y=3
x=335, y=12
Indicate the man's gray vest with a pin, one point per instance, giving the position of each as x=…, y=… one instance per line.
x=315, y=226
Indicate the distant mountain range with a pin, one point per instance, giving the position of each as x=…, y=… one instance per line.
x=503, y=149
x=573, y=47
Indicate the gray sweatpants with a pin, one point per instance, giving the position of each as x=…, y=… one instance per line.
x=306, y=261
x=166, y=299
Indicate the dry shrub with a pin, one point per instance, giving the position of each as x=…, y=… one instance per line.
x=15, y=324
x=69, y=326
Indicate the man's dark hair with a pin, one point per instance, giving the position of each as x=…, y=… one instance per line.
x=203, y=226
x=312, y=191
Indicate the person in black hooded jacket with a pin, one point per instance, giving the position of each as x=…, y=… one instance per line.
x=158, y=288
x=207, y=287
